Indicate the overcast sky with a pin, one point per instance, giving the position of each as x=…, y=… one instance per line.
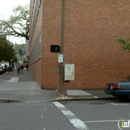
x=6, y=7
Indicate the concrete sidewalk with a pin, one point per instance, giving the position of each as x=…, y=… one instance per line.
x=24, y=88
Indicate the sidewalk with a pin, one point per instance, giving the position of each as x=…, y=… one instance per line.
x=24, y=88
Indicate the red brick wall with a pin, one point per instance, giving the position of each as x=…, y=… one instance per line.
x=50, y=35
x=91, y=30
x=36, y=71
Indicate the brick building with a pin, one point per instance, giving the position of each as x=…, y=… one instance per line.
x=91, y=30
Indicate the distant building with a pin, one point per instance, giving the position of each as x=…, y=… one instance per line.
x=91, y=30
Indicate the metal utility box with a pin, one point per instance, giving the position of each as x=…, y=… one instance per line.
x=69, y=72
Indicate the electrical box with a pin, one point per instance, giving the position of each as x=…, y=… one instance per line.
x=69, y=72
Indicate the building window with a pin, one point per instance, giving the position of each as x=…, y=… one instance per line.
x=36, y=52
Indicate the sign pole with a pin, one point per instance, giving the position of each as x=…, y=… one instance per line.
x=62, y=88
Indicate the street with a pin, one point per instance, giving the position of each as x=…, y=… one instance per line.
x=24, y=106
x=64, y=115
x=100, y=114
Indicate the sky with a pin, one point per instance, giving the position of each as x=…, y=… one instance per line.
x=6, y=7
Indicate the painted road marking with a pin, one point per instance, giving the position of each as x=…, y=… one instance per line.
x=13, y=79
x=41, y=116
x=78, y=92
x=101, y=121
x=119, y=104
x=77, y=123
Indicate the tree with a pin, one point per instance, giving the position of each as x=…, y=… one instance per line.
x=6, y=51
x=20, y=50
x=18, y=23
x=125, y=43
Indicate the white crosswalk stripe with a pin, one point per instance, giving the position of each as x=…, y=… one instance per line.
x=13, y=79
x=76, y=122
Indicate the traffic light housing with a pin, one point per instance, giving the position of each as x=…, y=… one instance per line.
x=55, y=48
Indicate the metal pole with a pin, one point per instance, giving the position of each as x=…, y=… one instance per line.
x=62, y=88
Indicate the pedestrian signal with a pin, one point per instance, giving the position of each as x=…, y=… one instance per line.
x=55, y=48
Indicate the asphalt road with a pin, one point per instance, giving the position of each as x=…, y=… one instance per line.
x=65, y=115
x=100, y=114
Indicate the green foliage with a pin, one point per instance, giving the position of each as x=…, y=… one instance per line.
x=125, y=43
x=20, y=52
x=18, y=23
x=6, y=51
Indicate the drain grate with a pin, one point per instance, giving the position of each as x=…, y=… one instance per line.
x=98, y=103
x=8, y=101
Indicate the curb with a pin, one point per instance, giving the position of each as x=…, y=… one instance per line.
x=82, y=98
x=74, y=98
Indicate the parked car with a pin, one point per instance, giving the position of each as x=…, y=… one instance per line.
x=1, y=69
x=118, y=89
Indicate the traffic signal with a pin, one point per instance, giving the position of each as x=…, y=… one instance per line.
x=55, y=48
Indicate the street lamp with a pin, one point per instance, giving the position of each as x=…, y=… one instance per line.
x=62, y=88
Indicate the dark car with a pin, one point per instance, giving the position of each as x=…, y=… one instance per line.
x=1, y=70
x=118, y=89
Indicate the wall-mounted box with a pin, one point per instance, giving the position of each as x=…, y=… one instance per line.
x=69, y=72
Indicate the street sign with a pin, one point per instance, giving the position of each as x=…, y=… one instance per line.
x=60, y=58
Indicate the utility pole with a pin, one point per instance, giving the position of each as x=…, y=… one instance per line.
x=62, y=88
